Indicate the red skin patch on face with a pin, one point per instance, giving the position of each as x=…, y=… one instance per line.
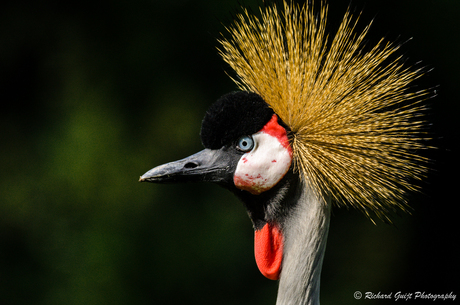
x=260, y=170
x=268, y=250
x=276, y=130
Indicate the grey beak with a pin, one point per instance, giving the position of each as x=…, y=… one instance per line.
x=213, y=165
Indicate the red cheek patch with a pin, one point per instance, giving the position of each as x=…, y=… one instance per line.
x=268, y=250
x=276, y=130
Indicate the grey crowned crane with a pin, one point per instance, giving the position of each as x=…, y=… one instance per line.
x=316, y=121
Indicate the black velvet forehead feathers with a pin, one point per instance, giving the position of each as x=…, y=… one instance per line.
x=232, y=116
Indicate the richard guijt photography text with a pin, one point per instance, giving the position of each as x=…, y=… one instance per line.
x=405, y=296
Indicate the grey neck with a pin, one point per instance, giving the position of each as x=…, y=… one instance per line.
x=305, y=237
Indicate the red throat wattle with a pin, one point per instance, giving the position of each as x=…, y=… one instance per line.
x=268, y=249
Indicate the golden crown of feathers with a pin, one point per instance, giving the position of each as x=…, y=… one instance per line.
x=355, y=122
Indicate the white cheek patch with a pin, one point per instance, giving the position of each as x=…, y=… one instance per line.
x=263, y=167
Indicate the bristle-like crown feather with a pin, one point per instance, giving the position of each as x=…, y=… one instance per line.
x=355, y=121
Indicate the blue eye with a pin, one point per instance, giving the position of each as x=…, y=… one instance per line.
x=245, y=143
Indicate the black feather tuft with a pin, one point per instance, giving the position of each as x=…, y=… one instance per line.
x=232, y=116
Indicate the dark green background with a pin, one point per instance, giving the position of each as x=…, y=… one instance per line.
x=95, y=93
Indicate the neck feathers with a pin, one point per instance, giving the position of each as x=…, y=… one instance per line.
x=305, y=234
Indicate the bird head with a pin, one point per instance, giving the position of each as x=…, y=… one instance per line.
x=247, y=151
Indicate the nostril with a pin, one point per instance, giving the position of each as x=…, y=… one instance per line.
x=190, y=165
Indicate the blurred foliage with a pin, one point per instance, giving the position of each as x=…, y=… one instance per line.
x=95, y=93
